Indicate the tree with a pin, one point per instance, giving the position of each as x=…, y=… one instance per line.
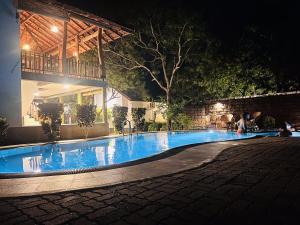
x=50, y=116
x=159, y=48
x=138, y=117
x=86, y=116
x=3, y=129
x=120, y=117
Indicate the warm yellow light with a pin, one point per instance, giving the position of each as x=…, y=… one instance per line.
x=36, y=94
x=26, y=47
x=66, y=86
x=74, y=54
x=54, y=29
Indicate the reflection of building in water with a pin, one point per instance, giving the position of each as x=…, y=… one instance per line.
x=101, y=155
x=32, y=164
x=111, y=151
x=162, y=140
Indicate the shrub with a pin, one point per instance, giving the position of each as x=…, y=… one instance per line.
x=153, y=127
x=86, y=116
x=120, y=116
x=3, y=129
x=269, y=123
x=50, y=116
x=182, y=121
x=138, y=117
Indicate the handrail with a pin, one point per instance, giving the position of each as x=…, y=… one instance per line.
x=123, y=125
x=47, y=64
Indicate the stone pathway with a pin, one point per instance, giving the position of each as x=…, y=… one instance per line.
x=258, y=183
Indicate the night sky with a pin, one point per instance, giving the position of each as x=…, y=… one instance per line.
x=226, y=19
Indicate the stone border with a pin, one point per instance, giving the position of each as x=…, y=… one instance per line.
x=167, y=153
x=190, y=158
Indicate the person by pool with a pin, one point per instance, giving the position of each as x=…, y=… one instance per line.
x=242, y=123
x=285, y=132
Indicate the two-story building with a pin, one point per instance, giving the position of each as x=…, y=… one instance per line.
x=45, y=57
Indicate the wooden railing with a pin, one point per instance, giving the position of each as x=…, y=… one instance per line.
x=53, y=65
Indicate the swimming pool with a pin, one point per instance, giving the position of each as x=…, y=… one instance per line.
x=103, y=152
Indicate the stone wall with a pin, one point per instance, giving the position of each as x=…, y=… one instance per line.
x=283, y=107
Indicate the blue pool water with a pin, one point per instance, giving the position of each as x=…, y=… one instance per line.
x=104, y=152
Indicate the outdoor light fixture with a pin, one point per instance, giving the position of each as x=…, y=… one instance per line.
x=66, y=86
x=75, y=54
x=54, y=29
x=26, y=47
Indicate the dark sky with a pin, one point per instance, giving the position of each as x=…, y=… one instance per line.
x=226, y=19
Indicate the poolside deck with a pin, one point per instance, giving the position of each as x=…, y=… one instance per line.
x=247, y=182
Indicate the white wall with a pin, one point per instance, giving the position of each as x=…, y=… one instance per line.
x=10, y=69
x=29, y=88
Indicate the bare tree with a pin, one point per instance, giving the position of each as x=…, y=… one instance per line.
x=160, y=55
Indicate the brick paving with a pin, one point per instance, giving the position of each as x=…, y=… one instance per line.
x=251, y=184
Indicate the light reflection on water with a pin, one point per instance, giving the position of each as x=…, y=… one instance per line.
x=80, y=155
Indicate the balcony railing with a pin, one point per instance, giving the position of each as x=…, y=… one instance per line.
x=52, y=65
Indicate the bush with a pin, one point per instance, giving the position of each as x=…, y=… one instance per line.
x=50, y=116
x=86, y=116
x=182, y=121
x=153, y=127
x=269, y=123
x=120, y=116
x=3, y=129
x=138, y=117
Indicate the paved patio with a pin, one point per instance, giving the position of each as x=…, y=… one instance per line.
x=254, y=183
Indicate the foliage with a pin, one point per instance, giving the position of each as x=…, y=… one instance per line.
x=99, y=115
x=153, y=127
x=269, y=123
x=3, y=129
x=86, y=116
x=158, y=49
x=120, y=116
x=182, y=121
x=50, y=117
x=138, y=117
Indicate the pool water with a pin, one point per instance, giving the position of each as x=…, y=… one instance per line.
x=103, y=152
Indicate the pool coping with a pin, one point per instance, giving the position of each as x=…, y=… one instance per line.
x=192, y=157
x=165, y=154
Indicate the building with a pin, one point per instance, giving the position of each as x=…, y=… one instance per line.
x=45, y=57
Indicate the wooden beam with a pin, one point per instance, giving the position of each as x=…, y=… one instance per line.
x=73, y=37
x=33, y=37
x=26, y=19
x=77, y=52
x=102, y=71
x=64, y=47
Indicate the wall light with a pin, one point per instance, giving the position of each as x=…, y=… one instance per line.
x=36, y=94
x=66, y=86
x=75, y=54
x=54, y=29
x=219, y=106
x=26, y=47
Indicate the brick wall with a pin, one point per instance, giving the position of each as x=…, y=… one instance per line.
x=283, y=107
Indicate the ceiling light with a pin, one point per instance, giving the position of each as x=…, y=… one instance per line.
x=54, y=29
x=66, y=86
x=26, y=47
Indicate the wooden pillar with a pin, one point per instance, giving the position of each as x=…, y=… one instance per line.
x=64, y=47
x=102, y=72
x=77, y=53
x=79, y=98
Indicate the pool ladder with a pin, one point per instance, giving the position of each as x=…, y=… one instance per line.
x=129, y=131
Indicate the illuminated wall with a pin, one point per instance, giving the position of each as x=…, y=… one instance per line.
x=10, y=69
